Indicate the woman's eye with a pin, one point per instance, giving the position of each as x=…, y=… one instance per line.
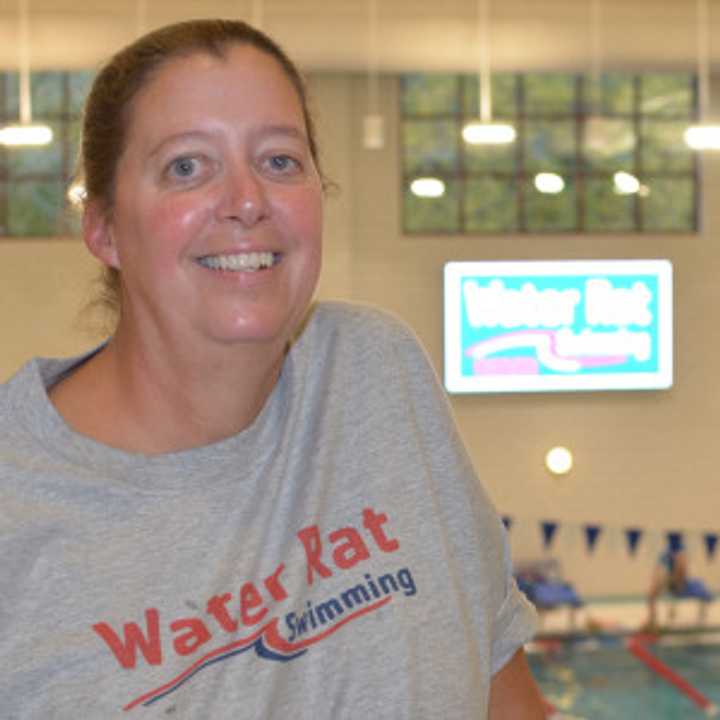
x=283, y=163
x=184, y=167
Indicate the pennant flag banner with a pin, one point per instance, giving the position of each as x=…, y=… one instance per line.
x=633, y=536
x=592, y=532
x=675, y=540
x=711, y=540
x=548, y=531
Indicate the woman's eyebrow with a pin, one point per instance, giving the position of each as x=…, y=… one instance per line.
x=176, y=137
x=291, y=131
x=286, y=130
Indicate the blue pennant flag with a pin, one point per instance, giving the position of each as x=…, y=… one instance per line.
x=675, y=540
x=633, y=536
x=711, y=540
x=548, y=531
x=592, y=532
x=507, y=522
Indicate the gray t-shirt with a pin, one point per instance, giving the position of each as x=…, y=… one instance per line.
x=337, y=559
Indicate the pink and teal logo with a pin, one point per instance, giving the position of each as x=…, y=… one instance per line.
x=558, y=325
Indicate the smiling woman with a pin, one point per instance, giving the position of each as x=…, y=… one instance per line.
x=277, y=487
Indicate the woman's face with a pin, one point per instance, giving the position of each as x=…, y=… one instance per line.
x=216, y=222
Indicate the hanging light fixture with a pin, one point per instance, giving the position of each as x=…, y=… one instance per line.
x=705, y=136
x=484, y=131
x=601, y=135
x=427, y=187
x=25, y=132
x=373, y=122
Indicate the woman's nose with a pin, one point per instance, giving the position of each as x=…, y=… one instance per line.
x=244, y=198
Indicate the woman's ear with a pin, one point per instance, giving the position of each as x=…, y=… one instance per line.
x=98, y=235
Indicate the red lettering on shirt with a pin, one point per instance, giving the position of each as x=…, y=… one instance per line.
x=351, y=551
x=310, y=538
x=373, y=522
x=197, y=634
x=347, y=546
x=249, y=599
x=148, y=643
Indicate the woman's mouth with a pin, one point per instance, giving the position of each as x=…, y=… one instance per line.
x=240, y=262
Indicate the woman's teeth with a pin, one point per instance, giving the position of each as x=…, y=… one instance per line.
x=243, y=262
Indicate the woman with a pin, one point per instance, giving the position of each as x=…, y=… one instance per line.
x=235, y=507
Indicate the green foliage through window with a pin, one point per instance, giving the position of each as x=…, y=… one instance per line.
x=34, y=180
x=614, y=146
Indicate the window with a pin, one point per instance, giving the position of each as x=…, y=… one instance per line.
x=34, y=180
x=603, y=155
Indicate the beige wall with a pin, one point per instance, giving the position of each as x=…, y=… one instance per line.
x=43, y=285
x=644, y=459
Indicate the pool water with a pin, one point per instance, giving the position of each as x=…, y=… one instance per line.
x=601, y=680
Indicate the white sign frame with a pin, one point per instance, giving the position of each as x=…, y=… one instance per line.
x=456, y=272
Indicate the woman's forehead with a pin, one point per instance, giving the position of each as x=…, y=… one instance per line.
x=245, y=62
x=243, y=82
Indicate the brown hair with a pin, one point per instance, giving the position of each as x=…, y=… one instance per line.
x=108, y=106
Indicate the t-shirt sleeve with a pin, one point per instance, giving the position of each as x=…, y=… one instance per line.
x=473, y=530
x=515, y=622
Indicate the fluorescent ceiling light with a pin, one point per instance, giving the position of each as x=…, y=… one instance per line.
x=625, y=183
x=482, y=133
x=549, y=183
x=485, y=131
x=25, y=135
x=25, y=132
x=427, y=187
x=703, y=137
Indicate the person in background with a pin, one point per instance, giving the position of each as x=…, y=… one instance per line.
x=671, y=575
x=242, y=504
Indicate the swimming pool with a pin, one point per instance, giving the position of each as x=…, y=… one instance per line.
x=599, y=679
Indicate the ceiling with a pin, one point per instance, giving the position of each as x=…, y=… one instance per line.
x=412, y=34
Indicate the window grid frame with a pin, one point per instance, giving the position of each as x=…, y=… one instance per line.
x=62, y=118
x=579, y=114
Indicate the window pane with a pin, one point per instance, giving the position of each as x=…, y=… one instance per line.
x=504, y=104
x=667, y=94
x=549, y=94
x=669, y=205
x=74, y=133
x=567, y=124
x=488, y=158
x=430, y=146
x=12, y=103
x=491, y=205
x=432, y=214
x=79, y=88
x=34, y=208
x=430, y=94
x=47, y=94
x=545, y=211
x=609, y=144
x=613, y=94
x=550, y=145
x=663, y=146
x=605, y=209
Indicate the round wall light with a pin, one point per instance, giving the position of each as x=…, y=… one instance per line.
x=559, y=460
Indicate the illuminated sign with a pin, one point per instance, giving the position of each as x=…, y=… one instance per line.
x=558, y=325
